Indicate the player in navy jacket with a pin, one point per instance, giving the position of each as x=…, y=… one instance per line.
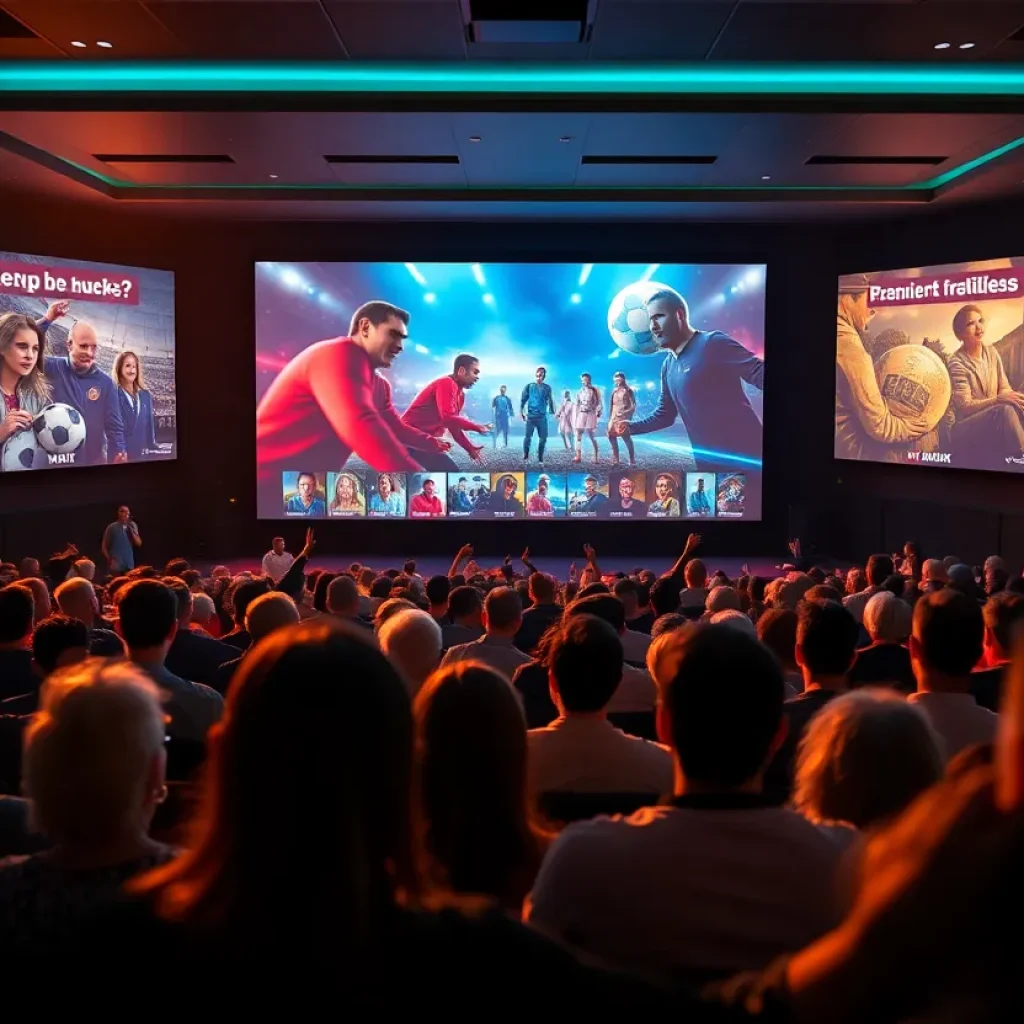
x=136, y=405
x=77, y=381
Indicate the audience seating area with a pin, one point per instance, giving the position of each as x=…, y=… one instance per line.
x=728, y=799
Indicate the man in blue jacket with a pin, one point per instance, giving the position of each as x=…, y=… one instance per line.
x=77, y=381
x=701, y=384
x=534, y=405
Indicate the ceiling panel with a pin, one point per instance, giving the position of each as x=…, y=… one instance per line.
x=865, y=31
x=656, y=30
x=398, y=174
x=522, y=148
x=661, y=134
x=129, y=26
x=269, y=29
x=400, y=29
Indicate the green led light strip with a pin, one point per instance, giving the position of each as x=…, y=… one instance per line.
x=41, y=77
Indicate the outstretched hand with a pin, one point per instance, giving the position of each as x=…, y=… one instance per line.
x=466, y=551
x=307, y=548
x=692, y=543
x=525, y=557
x=589, y=551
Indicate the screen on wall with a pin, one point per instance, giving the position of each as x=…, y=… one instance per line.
x=86, y=363
x=930, y=366
x=509, y=390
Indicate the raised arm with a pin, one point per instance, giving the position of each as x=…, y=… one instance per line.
x=466, y=551
x=291, y=581
x=592, y=573
x=525, y=559
x=677, y=571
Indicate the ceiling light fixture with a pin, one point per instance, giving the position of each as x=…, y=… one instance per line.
x=943, y=46
x=967, y=46
x=78, y=43
x=104, y=44
x=565, y=138
x=474, y=138
x=271, y=175
x=766, y=177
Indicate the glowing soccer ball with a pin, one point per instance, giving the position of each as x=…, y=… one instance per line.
x=60, y=429
x=22, y=451
x=914, y=383
x=628, y=323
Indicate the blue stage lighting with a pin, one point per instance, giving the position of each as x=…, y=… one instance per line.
x=416, y=275
x=489, y=298
x=585, y=273
x=422, y=349
x=576, y=298
x=291, y=277
x=429, y=297
x=650, y=272
x=478, y=273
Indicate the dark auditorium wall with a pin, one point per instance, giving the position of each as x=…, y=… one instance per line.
x=204, y=502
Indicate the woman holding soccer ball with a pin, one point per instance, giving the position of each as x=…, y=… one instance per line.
x=23, y=386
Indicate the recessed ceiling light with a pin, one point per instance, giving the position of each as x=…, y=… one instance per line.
x=104, y=44
x=766, y=177
x=565, y=138
x=967, y=46
x=943, y=46
x=474, y=138
x=78, y=43
x=271, y=175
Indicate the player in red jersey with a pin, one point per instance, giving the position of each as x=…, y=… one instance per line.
x=438, y=407
x=330, y=401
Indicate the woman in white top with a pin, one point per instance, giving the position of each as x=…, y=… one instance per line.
x=563, y=417
x=623, y=406
x=587, y=411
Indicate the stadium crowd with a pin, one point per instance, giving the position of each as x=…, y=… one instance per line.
x=733, y=799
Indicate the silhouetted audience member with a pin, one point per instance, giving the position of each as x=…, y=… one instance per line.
x=411, y=639
x=945, y=645
x=878, y=569
x=193, y=655
x=886, y=661
x=77, y=598
x=437, y=590
x=718, y=880
x=581, y=751
x=240, y=595
x=465, y=610
x=343, y=601
x=864, y=757
x=94, y=772
x=502, y=619
x=147, y=622
x=479, y=836
x=268, y=612
x=1002, y=614
x=826, y=646
x=17, y=612
x=543, y=611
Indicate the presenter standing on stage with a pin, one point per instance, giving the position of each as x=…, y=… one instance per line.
x=120, y=539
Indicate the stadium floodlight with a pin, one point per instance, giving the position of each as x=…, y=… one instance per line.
x=478, y=273
x=422, y=349
x=650, y=272
x=585, y=273
x=291, y=277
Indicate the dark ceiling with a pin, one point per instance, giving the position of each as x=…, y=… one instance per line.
x=601, y=148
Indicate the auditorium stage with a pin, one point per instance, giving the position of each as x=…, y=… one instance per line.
x=558, y=566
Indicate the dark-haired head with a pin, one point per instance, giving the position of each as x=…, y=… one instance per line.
x=471, y=769
x=721, y=706
x=294, y=739
x=584, y=664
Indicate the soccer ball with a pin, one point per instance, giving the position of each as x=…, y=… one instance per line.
x=914, y=383
x=22, y=451
x=60, y=429
x=628, y=323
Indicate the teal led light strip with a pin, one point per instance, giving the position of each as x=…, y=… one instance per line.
x=42, y=77
x=931, y=184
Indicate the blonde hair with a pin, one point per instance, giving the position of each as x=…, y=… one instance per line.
x=90, y=749
x=863, y=757
x=139, y=384
x=34, y=382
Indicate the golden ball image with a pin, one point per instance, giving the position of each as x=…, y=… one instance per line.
x=914, y=383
